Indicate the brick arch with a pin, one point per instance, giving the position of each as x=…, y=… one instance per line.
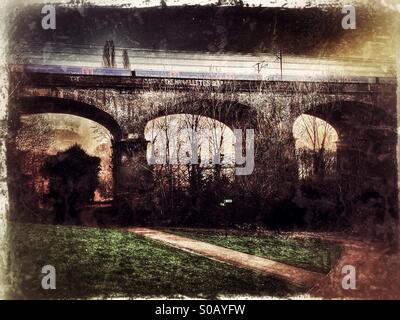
x=367, y=150
x=354, y=118
x=233, y=114
x=366, y=132
x=44, y=104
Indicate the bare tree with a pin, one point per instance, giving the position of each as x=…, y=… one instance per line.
x=316, y=147
x=109, y=54
x=125, y=59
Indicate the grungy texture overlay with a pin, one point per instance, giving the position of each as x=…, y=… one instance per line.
x=397, y=33
x=4, y=205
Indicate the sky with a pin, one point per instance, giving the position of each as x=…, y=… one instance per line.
x=311, y=132
x=314, y=32
x=213, y=137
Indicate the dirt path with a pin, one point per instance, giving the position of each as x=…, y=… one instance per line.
x=294, y=275
x=377, y=274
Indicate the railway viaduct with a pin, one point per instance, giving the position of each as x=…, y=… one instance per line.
x=363, y=112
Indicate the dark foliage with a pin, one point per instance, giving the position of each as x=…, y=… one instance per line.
x=73, y=178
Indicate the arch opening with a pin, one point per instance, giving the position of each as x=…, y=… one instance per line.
x=316, y=144
x=193, y=164
x=180, y=144
x=44, y=136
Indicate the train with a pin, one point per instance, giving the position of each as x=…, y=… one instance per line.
x=148, y=73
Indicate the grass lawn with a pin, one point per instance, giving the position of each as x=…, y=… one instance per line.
x=311, y=254
x=94, y=262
